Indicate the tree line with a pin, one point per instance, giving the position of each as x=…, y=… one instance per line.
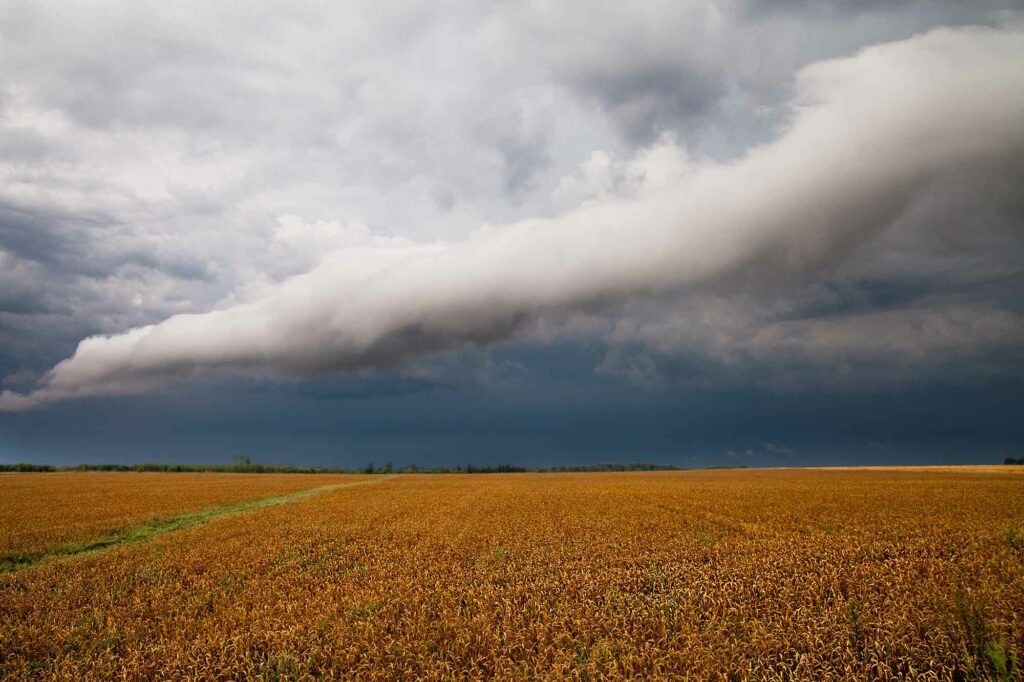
x=247, y=467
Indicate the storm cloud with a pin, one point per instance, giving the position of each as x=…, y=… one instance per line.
x=859, y=141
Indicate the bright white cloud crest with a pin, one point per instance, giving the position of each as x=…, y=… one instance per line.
x=867, y=134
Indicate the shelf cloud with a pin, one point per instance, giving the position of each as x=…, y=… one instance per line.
x=864, y=136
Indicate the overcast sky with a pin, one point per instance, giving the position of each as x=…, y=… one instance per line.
x=727, y=233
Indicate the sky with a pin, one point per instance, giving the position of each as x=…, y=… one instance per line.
x=539, y=233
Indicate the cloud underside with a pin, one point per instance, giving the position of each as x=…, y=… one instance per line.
x=867, y=136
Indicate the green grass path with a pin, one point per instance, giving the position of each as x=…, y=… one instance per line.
x=21, y=560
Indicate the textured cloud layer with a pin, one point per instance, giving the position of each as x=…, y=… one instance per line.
x=867, y=135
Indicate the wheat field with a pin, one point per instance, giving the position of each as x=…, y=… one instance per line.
x=732, y=574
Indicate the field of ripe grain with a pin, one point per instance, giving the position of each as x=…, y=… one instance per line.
x=773, y=574
x=39, y=511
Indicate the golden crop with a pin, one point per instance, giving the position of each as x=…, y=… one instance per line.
x=784, y=574
x=38, y=511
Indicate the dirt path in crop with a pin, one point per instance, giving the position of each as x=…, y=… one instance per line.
x=145, y=531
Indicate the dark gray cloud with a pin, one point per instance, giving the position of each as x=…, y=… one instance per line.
x=646, y=100
x=732, y=345
x=38, y=237
x=559, y=414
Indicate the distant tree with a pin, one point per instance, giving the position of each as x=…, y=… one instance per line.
x=388, y=468
x=242, y=460
x=27, y=468
x=369, y=468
